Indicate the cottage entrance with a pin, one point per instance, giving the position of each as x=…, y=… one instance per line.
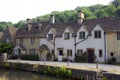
x=90, y=55
x=60, y=54
x=42, y=51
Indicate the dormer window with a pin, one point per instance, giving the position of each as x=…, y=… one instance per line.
x=50, y=36
x=82, y=35
x=67, y=36
x=97, y=34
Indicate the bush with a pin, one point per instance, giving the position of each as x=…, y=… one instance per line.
x=14, y=57
x=82, y=58
x=30, y=57
x=112, y=60
x=64, y=59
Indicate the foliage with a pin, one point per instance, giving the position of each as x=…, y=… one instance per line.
x=112, y=60
x=14, y=57
x=91, y=12
x=104, y=78
x=6, y=47
x=6, y=65
x=4, y=25
x=59, y=72
x=30, y=57
x=49, y=56
x=81, y=58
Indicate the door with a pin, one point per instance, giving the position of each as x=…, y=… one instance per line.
x=60, y=54
x=90, y=55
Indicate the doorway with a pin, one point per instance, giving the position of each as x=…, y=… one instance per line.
x=90, y=55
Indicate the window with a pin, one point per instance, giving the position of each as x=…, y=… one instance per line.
x=50, y=36
x=100, y=53
x=111, y=54
x=79, y=52
x=21, y=40
x=67, y=36
x=118, y=35
x=97, y=34
x=7, y=40
x=32, y=41
x=32, y=51
x=69, y=52
x=52, y=51
x=82, y=35
x=60, y=52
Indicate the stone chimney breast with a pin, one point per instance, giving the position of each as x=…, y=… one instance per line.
x=52, y=18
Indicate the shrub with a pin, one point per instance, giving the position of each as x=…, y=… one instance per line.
x=69, y=73
x=49, y=56
x=6, y=65
x=30, y=57
x=104, y=78
x=64, y=59
x=82, y=58
x=112, y=60
x=14, y=57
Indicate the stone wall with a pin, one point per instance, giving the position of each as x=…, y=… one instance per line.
x=74, y=74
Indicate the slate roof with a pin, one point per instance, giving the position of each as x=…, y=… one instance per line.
x=10, y=32
x=41, y=29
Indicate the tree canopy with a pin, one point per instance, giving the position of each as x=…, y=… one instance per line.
x=91, y=12
x=6, y=47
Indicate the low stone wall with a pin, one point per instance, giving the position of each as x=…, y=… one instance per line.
x=75, y=74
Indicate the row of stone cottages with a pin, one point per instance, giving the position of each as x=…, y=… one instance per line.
x=99, y=37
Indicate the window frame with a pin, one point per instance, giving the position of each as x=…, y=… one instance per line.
x=97, y=34
x=32, y=40
x=118, y=37
x=79, y=52
x=67, y=36
x=50, y=36
x=100, y=53
x=69, y=52
x=21, y=40
x=82, y=35
x=32, y=51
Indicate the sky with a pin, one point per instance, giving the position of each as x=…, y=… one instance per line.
x=16, y=10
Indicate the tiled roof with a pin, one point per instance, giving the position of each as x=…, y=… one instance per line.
x=10, y=33
x=40, y=29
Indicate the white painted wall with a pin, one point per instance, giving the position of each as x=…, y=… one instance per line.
x=46, y=42
x=92, y=42
x=65, y=44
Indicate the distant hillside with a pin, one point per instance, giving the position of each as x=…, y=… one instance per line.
x=91, y=12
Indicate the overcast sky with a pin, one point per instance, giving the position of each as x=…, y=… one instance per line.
x=16, y=10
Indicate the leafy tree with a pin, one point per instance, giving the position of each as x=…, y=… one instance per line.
x=6, y=47
x=20, y=24
x=116, y=3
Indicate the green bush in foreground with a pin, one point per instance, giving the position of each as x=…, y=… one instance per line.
x=30, y=57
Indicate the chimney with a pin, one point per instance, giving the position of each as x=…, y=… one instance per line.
x=28, y=24
x=80, y=17
x=52, y=18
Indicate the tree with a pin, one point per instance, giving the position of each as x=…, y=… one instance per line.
x=116, y=3
x=6, y=47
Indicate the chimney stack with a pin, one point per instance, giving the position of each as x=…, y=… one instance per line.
x=28, y=24
x=80, y=17
x=52, y=18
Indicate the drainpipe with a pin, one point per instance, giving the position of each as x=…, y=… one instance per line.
x=54, y=44
x=82, y=40
x=105, y=46
x=75, y=45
